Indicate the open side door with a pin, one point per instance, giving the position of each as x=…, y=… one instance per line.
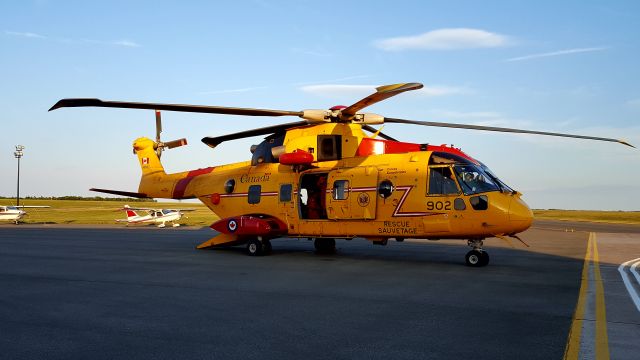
x=353, y=193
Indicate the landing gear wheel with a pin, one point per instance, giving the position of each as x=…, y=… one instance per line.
x=325, y=245
x=266, y=247
x=255, y=247
x=476, y=258
x=485, y=258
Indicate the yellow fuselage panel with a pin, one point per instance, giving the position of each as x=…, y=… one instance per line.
x=408, y=212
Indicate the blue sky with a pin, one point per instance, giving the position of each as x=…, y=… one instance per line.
x=567, y=66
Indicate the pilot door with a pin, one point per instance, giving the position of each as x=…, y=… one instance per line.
x=352, y=193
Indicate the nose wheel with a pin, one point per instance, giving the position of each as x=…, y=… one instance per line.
x=476, y=257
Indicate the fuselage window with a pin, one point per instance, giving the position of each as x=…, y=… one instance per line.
x=254, y=194
x=441, y=181
x=285, y=192
x=385, y=189
x=229, y=185
x=479, y=202
x=340, y=189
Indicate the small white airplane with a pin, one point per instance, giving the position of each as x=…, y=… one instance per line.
x=15, y=213
x=153, y=216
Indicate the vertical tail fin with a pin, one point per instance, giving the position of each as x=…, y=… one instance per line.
x=144, y=148
x=155, y=182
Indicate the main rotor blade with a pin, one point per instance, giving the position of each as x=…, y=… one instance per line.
x=217, y=140
x=373, y=130
x=81, y=102
x=122, y=193
x=382, y=93
x=500, y=129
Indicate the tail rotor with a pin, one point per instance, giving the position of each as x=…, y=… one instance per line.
x=159, y=145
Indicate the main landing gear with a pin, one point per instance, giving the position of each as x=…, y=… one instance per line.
x=476, y=257
x=325, y=245
x=258, y=246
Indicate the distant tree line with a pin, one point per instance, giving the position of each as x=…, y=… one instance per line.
x=81, y=198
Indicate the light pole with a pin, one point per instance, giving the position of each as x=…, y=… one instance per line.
x=18, y=154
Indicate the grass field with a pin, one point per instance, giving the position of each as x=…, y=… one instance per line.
x=618, y=217
x=105, y=212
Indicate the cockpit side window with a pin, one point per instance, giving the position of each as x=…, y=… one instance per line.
x=474, y=180
x=441, y=181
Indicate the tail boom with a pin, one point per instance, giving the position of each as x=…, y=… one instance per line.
x=155, y=182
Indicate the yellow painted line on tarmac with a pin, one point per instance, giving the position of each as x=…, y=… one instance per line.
x=602, y=338
x=572, y=349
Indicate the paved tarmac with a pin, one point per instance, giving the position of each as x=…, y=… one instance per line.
x=104, y=293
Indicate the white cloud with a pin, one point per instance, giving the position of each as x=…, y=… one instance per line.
x=481, y=118
x=556, y=53
x=364, y=90
x=444, y=39
x=126, y=43
x=635, y=103
x=25, y=34
x=333, y=80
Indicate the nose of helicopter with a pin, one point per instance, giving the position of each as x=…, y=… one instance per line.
x=520, y=215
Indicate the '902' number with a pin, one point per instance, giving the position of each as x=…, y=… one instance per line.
x=438, y=205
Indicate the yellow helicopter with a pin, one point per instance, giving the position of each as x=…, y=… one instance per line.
x=324, y=178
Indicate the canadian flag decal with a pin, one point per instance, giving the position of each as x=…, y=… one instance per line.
x=145, y=161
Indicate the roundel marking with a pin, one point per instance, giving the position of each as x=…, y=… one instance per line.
x=232, y=225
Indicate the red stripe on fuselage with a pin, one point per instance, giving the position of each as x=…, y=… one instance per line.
x=181, y=185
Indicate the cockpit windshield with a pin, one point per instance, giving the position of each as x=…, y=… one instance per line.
x=503, y=186
x=474, y=179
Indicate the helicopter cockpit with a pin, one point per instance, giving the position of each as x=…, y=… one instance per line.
x=472, y=178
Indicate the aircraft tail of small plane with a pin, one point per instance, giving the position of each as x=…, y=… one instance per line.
x=131, y=214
